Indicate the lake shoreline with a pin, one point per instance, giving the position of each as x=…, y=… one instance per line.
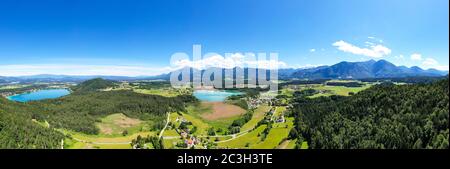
x=214, y=95
x=39, y=94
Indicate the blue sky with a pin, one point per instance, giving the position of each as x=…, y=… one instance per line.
x=138, y=37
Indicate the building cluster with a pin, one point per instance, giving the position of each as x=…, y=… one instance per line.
x=188, y=139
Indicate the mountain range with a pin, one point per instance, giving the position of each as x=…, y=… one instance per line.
x=367, y=69
x=345, y=70
x=341, y=70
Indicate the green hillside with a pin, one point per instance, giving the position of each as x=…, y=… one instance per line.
x=383, y=116
x=18, y=130
x=93, y=85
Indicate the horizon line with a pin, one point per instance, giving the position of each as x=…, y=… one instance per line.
x=17, y=70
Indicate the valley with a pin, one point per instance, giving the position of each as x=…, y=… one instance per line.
x=98, y=115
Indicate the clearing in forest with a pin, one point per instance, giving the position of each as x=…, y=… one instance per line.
x=117, y=123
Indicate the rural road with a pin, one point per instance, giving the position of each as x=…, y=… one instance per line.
x=84, y=141
x=167, y=123
x=233, y=136
x=273, y=114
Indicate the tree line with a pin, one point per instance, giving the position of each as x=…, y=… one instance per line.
x=383, y=116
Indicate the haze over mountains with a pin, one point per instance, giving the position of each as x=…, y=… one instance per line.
x=368, y=69
x=341, y=70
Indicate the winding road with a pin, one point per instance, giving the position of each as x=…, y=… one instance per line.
x=167, y=123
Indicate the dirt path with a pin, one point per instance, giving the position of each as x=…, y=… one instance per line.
x=167, y=123
x=284, y=144
x=84, y=141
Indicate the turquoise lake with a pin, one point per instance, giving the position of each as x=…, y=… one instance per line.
x=214, y=95
x=39, y=95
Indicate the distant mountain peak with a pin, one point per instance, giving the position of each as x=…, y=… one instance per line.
x=367, y=69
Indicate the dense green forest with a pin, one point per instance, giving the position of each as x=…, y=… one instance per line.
x=21, y=124
x=17, y=130
x=384, y=116
x=80, y=111
x=346, y=84
x=413, y=79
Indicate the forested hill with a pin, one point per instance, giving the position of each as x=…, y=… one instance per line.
x=93, y=85
x=18, y=130
x=23, y=125
x=80, y=111
x=384, y=116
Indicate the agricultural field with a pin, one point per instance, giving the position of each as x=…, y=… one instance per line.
x=111, y=134
x=113, y=137
x=338, y=90
x=116, y=131
x=118, y=123
x=202, y=126
x=327, y=90
x=161, y=92
x=277, y=134
x=245, y=140
x=258, y=115
x=78, y=140
x=16, y=86
x=157, y=88
x=215, y=114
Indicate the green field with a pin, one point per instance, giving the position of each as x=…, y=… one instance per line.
x=337, y=90
x=161, y=92
x=79, y=140
x=195, y=112
x=112, y=127
x=117, y=123
x=13, y=86
x=170, y=132
x=253, y=137
x=202, y=126
x=276, y=135
x=279, y=111
x=287, y=144
x=304, y=145
x=258, y=115
x=325, y=90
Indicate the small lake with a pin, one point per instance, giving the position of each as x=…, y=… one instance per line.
x=214, y=95
x=39, y=95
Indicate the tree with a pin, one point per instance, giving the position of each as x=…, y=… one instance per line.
x=383, y=116
x=211, y=132
x=293, y=134
x=125, y=132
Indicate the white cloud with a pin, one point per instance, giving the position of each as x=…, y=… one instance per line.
x=307, y=66
x=369, y=43
x=312, y=50
x=441, y=67
x=429, y=62
x=432, y=63
x=376, y=39
x=374, y=50
x=235, y=60
x=416, y=57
